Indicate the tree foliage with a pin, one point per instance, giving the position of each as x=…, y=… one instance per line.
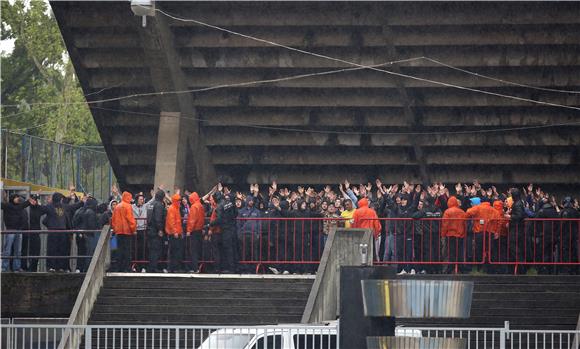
x=38, y=70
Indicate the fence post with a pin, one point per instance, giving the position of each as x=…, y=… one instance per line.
x=78, y=173
x=88, y=337
x=503, y=335
x=177, y=338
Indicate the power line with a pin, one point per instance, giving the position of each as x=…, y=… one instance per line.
x=358, y=67
x=500, y=80
x=26, y=128
x=299, y=130
x=215, y=87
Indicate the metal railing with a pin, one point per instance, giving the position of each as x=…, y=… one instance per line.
x=19, y=336
x=408, y=242
x=179, y=337
x=89, y=291
x=76, y=241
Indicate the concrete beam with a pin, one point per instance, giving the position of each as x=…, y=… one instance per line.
x=333, y=175
x=372, y=98
x=357, y=13
x=200, y=78
x=468, y=56
x=413, y=119
x=178, y=137
x=342, y=36
x=383, y=116
x=87, y=15
x=310, y=156
x=255, y=137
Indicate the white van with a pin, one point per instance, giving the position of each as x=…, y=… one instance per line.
x=282, y=337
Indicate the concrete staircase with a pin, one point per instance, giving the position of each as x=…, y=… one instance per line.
x=162, y=300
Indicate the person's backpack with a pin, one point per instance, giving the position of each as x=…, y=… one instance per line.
x=77, y=220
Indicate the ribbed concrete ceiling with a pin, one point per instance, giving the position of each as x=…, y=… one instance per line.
x=530, y=43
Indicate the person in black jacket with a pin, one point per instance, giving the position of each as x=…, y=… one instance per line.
x=88, y=221
x=34, y=239
x=156, y=230
x=226, y=215
x=58, y=244
x=546, y=236
x=518, y=239
x=569, y=238
x=15, y=218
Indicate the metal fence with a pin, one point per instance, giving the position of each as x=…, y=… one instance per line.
x=182, y=337
x=20, y=336
x=409, y=242
x=40, y=161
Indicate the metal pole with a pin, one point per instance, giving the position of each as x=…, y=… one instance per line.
x=78, y=177
x=88, y=339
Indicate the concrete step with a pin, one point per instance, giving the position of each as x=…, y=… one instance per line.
x=207, y=300
x=193, y=293
x=186, y=309
x=177, y=319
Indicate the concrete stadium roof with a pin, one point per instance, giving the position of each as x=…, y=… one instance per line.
x=535, y=43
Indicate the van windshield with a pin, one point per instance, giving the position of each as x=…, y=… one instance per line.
x=226, y=340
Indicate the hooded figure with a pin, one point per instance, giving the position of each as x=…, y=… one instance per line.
x=173, y=228
x=453, y=229
x=569, y=238
x=195, y=222
x=366, y=218
x=484, y=217
x=155, y=229
x=196, y=218
x=453, y=224
x=247, y=225
x=123, y=222
x=124, y=225
x=173, y=220
x=56, y=219
x=87, y=242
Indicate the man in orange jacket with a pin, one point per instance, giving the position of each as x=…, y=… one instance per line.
x=453, y=230
x=484, y=218
x=174, y=230
x=366, y=218
x=195, y=222
x=125, y=227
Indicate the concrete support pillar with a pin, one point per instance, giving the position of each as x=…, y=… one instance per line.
x=171, y=151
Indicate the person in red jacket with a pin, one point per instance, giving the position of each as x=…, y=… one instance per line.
x=453, y=230
x=483, y=218
x=125, y=227
x=174, y=230
x=195, y=222
x=366, y=218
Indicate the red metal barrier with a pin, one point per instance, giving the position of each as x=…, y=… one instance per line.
x=409, y=242
x=536, y=241
x=421, y=242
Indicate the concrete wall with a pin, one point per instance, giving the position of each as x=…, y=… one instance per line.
x=39, y=294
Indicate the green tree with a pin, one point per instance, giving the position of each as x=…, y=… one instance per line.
x=38, y=70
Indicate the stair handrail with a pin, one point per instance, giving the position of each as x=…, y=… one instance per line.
x=576, y=342
x=342, y=248
x=89, y=291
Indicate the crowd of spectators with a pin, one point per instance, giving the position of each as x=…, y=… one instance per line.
x=227, y=225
